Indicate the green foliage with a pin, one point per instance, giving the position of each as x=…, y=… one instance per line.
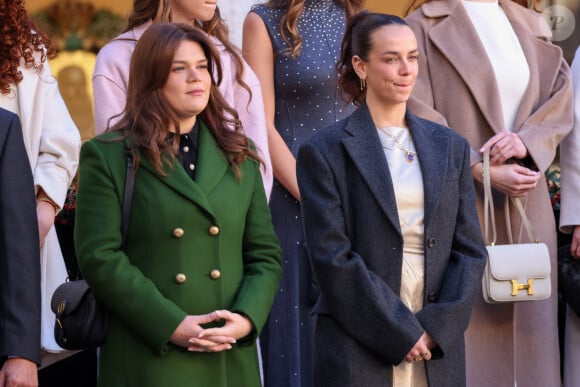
x=553, y=180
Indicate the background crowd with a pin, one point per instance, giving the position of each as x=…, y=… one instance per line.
x=307, y=208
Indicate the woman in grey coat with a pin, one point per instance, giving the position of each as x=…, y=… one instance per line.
x=390, y=222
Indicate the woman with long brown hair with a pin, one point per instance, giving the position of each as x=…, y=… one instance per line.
x=506, y=89
x=239, y=84
x=293, y=46
x=191, y=289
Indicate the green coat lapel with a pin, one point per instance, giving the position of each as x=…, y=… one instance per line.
x=212, y=163
x=211, y=168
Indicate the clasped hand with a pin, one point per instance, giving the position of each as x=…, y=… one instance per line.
x=504, y=146
x=191, y=335
x=422, y=349
x=511, y=179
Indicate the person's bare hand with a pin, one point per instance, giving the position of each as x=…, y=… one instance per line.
x=236, y=325
x=45, y=213
x=18, y=372
x=504, y=146
x=513, y=179
x=190, y=328
x=422, y=349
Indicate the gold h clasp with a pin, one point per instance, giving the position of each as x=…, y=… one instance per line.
x=529, y=287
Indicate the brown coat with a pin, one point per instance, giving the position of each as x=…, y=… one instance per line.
x=457, y=79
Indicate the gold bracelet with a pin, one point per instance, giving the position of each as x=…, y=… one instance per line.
x=47, y=200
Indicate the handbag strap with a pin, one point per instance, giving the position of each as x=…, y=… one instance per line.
x=527, y=224
x=127, y=198
x=488, y=208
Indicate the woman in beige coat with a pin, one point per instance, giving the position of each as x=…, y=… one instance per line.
x=506, y=88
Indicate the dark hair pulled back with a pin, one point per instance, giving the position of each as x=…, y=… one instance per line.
x=357, y=41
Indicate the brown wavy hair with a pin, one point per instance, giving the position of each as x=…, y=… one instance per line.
x=148, y=116
x=357, y=41
x=160, y=10
x=19, y=39
x=289, y=21
x=414, y=4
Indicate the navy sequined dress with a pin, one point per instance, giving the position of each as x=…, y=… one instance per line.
x=307, y=99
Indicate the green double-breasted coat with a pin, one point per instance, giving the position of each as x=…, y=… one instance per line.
x=192, y=247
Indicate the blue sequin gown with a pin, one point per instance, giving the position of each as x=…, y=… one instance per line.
x=307, y=100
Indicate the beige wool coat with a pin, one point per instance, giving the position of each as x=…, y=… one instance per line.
x=457, y=79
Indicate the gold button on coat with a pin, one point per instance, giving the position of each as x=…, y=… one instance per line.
x=214, y=230
x=178, y=232
x=215, y=274
x=180, y=278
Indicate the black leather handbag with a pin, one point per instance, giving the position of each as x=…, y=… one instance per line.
x=82, y=321
x=569, y=278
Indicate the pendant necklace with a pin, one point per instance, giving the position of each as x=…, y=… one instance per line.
x=409, y=154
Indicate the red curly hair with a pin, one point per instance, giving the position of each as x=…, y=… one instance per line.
x=19, y=40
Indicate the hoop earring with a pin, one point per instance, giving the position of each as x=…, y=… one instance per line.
x=363, y=83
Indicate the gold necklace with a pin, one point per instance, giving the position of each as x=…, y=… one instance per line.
x=409, y=154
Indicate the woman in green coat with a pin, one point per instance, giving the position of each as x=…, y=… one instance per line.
x=192, y=288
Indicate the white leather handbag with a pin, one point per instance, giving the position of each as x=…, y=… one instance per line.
x=514, y=272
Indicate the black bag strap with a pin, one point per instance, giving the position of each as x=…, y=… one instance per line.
x=127, y=198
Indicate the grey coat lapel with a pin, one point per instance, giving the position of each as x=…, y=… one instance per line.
x=432, y=153
x=212, y=167
x=366, y=152
x=364, y=147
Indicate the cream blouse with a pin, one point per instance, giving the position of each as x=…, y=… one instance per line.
x=408, y=186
